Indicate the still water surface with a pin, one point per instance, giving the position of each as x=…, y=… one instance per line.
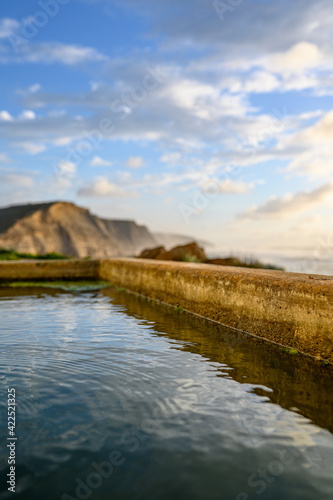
x=120, y=398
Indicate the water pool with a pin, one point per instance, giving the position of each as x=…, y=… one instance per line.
x=121, y=398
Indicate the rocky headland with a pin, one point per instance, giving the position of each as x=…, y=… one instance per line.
x=69, y=230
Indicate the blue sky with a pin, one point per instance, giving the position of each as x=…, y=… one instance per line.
x=213, y=119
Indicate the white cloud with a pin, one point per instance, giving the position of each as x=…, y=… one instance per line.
x=319, y=134
x=300, y=81
x=134, y=162
x=314, y=164
x=310, y=114
x=216, y=117
x=201, y=109
x=97, y=161
x=235, y=187
x=304, y=65
x=66, y=168
x=28, y=115
x=31, y=147
x=102, y=188
x=279, y=208
x=170, y=158
x=294, y=69
x=25, y=115
x=227, y=186
x=257, y=82
x=301, y=56
x=186, y=93
x=204, y=101
x=62, y=141
x=16, y=179
x=51, y=52
x=311, y=148
x=34, y=88
x=5, y=116
x=68, y=54
x=8, y=27
x=65, y=172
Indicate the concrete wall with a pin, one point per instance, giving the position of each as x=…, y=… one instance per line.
x=295, y=310
x=39, y=270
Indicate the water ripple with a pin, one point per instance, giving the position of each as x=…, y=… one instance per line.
x=195, y=412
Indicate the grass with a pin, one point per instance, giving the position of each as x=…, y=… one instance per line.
x=249, y=262
x=11, y=254
x=291, y=351
x=257, y=264
x=253, y=263
x=188, y=257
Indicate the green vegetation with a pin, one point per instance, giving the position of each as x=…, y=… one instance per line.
x=251, y=262
x=188, y=257
x=14, y=255
x=70, y=286
x=291, y=351
x=248, y=262
x=256, y=264
x=177, y=308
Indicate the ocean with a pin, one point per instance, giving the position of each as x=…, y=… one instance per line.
x=308, y=263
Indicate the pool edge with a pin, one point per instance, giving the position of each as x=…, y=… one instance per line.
x=290, y=309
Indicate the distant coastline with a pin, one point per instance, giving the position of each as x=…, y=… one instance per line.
x=306, y=263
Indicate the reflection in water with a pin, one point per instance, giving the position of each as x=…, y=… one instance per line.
x=119, y=397
x=295, y=382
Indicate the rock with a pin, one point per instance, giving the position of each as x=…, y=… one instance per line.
x=190, y=252
x=152, y=253
x=170, y=240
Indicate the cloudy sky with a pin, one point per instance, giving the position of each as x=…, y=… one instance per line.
x=200, y=117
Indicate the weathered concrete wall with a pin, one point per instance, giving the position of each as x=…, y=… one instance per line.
x=39, y=270
x=294, y=310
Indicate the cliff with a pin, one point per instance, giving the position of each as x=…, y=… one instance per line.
x=69, y=230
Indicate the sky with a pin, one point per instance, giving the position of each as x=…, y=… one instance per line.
x=206, y=118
